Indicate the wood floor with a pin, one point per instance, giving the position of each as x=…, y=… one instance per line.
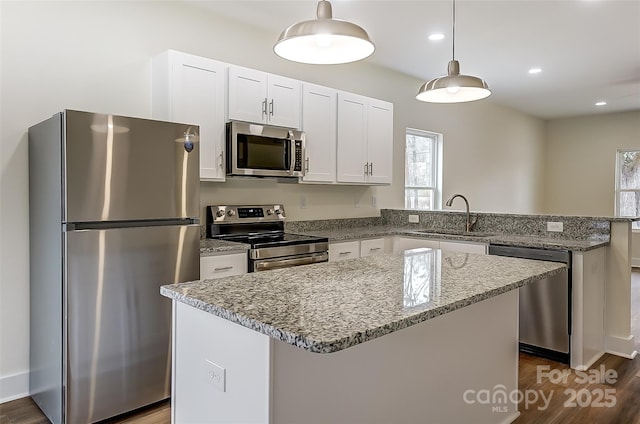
x=576, y=399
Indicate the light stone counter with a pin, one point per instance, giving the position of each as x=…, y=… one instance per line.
x=329, y=307
x=578, y=245
x=213, y=246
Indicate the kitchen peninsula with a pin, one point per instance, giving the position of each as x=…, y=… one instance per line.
x=388, y=338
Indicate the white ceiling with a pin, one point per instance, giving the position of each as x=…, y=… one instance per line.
x=589, y=50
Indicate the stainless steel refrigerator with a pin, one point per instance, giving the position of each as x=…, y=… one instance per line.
x=113, y=216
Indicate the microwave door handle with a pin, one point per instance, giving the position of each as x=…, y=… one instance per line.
x=292, y=153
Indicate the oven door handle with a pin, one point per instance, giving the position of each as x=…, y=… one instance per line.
x=267, y=264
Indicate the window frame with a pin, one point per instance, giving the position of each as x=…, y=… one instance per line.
x=436, y=167
x=618, y=190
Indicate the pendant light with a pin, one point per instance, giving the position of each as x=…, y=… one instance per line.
x=453, y=87
x=324, y=40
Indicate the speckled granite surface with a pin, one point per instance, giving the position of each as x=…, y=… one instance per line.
x=344, y=234
x=332, y=306
x=212, y=246
x=575, y=227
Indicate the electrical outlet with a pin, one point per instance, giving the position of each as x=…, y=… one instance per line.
x=303, y=202
x=374, y=202
x=414, y=218
x=356, y=202
x=216, y=375
x=555, y=226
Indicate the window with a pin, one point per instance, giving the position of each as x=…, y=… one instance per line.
x=423, y=170
x=628, y=184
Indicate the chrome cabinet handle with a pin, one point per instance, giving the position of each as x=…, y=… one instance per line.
x=223, y=268
x=373, y=249
x=264, y=107
x=366, y=169
x=345, y=253
x=306, y=165
x=222, y=159
x=271, y=108
x=370, y=168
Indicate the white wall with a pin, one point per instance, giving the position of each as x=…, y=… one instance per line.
x=580, y=159
x=96, y=56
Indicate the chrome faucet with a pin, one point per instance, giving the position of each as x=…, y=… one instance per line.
x=470, y=224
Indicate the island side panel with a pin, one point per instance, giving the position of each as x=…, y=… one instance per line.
x=618, y=338
x=587, y=307
x=419, y=374
x=202, y=392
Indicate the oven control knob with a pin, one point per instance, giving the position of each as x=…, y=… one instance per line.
x=231, y=212
x=270, y=211
x=278, y=212
x=220, y=213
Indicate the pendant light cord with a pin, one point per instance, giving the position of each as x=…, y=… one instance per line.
x=454, y=30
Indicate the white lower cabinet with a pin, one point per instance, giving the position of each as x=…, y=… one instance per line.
x=405, y=243
x=464, y=247
x=372, y=247
x=344, y=250
x=358, y=248
x=224, y=265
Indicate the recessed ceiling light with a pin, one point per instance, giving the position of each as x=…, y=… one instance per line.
x=601, y=103
x=436, y=36
x=535, y=70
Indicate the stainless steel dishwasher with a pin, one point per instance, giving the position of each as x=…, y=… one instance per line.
x=545, y=305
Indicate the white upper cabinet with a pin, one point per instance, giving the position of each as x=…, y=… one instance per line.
x=380, y=141
x=365, y=140
x=319, y=124
x=256, y=96
x=191, y=90
x=352, y=138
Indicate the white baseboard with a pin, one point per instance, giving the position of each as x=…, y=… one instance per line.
x=621, y=346
x=14, y=386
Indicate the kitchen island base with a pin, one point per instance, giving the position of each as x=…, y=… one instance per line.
x=458, y=367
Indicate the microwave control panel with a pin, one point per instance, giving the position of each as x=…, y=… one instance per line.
x=297, y=166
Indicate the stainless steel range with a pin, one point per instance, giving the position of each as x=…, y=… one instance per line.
x=262, y=227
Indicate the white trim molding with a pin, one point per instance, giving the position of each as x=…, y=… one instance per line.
x=621, y=346
x=14, y=386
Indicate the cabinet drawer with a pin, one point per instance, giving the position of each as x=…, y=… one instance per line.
x=454, y=246
x=405, y=243
x=342, y=251
x=223, y=265
x=371, y=247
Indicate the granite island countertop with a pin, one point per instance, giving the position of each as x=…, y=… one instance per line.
x=331, y=306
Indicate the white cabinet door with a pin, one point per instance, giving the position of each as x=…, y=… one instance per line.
x=256, y=96
x=247, y=94
x=365, y=140
x=371, y=247
x=405, y=243
x=222, y=265
x=352, y=138
x=344, y=250
x=456, y=246
x=191, y=89
x=380, y=141
x=319, y=125
x=284, y=101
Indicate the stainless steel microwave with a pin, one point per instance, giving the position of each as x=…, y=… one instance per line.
x=264, y=151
